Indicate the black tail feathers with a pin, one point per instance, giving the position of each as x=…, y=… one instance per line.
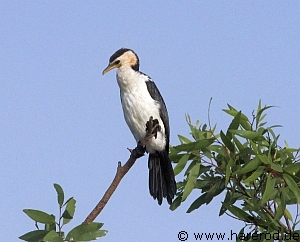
x=161, y=177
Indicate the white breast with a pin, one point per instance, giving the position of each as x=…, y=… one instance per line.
x=138, y=106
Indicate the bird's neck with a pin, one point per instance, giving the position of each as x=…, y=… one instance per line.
x=128, y=79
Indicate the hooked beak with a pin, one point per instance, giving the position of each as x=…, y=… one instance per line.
x=110, y=67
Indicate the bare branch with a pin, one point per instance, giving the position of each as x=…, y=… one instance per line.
x=122, y=170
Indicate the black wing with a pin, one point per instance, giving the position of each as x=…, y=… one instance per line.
x=161, y=175
x=155, y=94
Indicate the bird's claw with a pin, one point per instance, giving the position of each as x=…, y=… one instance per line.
x=152, y=126
x=139, y=150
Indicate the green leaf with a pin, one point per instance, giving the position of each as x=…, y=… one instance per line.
x=259, y=106
x=191, y=165
x=239, y=213
x=288, y=195
x=93, y=235
x=68, y=201
x=57, y=239
x=279, y=211
x=204, y=198
x=241, y=236
x=246, y=125
x=184, y=139
x=226, y=141
x=181, y=164
x=276, y=167
x=292, y=185
x=234, y=113
x=217, y=187
x=219, y=150
x=35, y=235
x=288, y=214
x=255, y=174
x=51, y=235
x=203, y=184
x=252, y=165
x=275, y=126
x=60, y=194
x=265, y=159
x=86, y=232
x=191, y=182
x=238, y=143
x=67, y=215
x=69, y=212
x=275, y=138
x=228, y=170
x=234, y=124
x=207, y=152
x=176, y=203
x=268, y=190
x=259, y=118
x=262, y=124
x=261, y=130
x=292, y=168
x=197, y=145
x=252, y=135
x=52, y=226
x=226, y=200
x=39, y=216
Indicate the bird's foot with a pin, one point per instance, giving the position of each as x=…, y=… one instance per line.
x=139, y=150
x=152, y=127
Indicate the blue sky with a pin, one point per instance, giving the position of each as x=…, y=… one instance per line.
x=62, y=122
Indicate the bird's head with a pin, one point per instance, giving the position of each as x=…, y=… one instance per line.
x=123, y=57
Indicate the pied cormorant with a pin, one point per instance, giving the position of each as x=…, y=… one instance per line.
x=141, y=99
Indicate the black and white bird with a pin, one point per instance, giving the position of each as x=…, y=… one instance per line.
x=141, y=99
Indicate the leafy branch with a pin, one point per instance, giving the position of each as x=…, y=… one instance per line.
x=260, y=179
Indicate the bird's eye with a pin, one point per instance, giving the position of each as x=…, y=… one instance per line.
x=116, y=62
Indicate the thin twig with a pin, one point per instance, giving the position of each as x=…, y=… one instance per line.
x=297, y=214
x=242, y=187
x=234, y=217
x=287, y=222
x=270, y=212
